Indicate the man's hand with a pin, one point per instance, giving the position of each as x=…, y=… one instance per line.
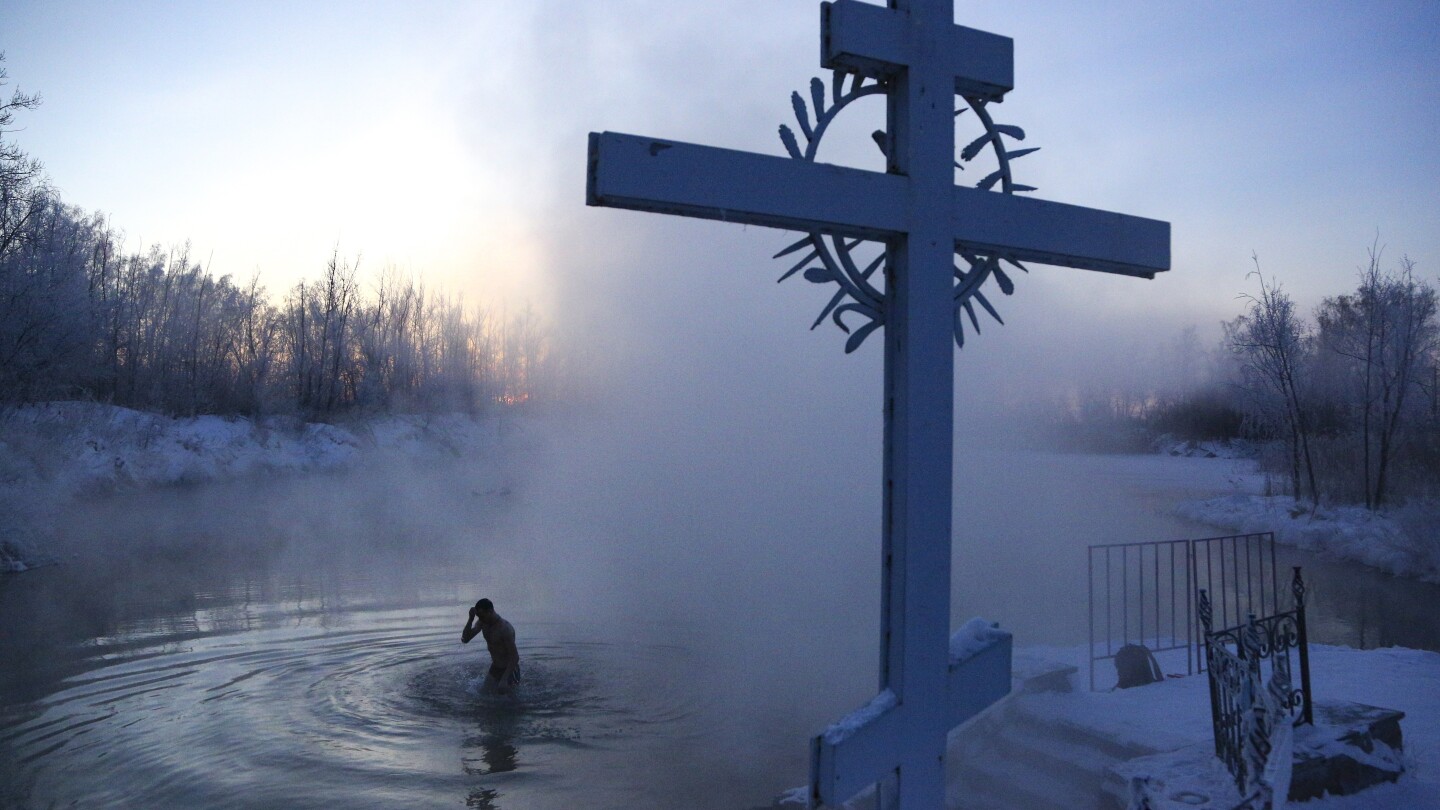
x=471, y=628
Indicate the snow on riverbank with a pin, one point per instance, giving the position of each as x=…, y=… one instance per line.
x=1405, y=542
x=1168, y=445
x=53, y=452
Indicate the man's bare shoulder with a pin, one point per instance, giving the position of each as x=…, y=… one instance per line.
x=501, y=630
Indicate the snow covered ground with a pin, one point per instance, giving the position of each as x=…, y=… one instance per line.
x=54, y=452
x=1392, y=678
x=1174, y=714
x=1230, y=448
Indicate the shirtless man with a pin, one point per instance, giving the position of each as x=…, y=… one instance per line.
x=500, y=638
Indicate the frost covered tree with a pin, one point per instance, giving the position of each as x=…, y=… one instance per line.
x=82, y=317
x=37, y=299
x=23, y=189
x=319, y=328
x=1274, y=347
x=1384, y=335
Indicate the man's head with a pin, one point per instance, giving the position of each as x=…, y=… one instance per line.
x=485, y=609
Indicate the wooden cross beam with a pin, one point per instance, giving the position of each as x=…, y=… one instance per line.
x=670, y=177
x=924, y=59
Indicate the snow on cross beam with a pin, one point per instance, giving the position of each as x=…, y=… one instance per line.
x=859, y=750
x=899, y=738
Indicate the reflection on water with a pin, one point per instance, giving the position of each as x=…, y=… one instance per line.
x=170, y=664
x=232, y=648
x=1361, y=607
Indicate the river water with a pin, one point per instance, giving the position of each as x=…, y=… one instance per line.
x=296, y=642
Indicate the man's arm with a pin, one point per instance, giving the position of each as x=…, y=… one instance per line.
x=472, y=628
x=513, y=650
x=512, y=653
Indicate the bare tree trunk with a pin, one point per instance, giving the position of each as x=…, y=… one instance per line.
x=1271, y=339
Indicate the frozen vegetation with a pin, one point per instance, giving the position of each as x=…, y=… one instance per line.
x=53, y=452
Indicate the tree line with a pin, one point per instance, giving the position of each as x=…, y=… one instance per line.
x=152, y=329
x=1351, y=392
x=1344, y=402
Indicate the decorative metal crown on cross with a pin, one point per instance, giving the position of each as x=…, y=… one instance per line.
x=837, y=255
x=913, y=53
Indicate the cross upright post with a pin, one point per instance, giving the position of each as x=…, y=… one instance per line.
x=919, y=405
x=923, y=59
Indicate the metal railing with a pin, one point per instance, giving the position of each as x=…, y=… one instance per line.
x=1239, y=575
x=1144, y=593
x=1246, y=702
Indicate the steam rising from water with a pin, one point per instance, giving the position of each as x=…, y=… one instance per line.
x=700, y=572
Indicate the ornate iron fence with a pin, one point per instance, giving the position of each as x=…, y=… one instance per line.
x=1145, y=592
x=1244, y=702
x=1229, y=679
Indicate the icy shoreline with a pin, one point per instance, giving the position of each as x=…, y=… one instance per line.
x=55, y=452
x=1404, y=542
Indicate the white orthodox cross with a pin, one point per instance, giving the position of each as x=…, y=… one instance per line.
x=923, y=217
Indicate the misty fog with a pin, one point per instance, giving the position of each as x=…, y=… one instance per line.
x=726, y=508
x=695, y=541
x=687, y=535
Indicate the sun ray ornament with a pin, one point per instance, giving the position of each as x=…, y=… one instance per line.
x=914, y=55
x=833, y=259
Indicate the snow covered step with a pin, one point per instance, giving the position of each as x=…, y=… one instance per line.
x=1020, y=756
x=1074, y=762
x=1039, y=722
x=1065, y=768
x=1115, y=791
x=976, y=801
x=1013, y=784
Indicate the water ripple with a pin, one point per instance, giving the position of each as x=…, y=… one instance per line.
x=377, y=696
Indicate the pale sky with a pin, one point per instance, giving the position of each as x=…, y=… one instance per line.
x=449, y=139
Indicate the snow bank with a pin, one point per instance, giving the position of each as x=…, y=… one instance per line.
x=1403, y=543
x=1228, y=448
x=78, y=448
x=56, y=451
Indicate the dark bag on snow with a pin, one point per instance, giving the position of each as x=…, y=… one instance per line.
x=1135, y=665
